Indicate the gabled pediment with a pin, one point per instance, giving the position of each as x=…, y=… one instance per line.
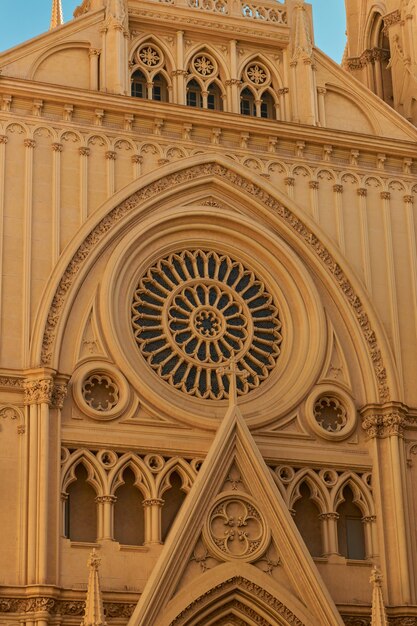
x=234, y=548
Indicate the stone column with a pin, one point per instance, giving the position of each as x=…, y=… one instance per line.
x=384, y=425
x=152, y=508
x=330, y=533
x=41, y=395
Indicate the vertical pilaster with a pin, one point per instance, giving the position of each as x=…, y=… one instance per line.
x=234, y=81
x=111, y=160
x=94, y=54
x=384, y=425
x=137, y=160
x=41, y=395
x=363, y=218
x=338, y=190
x=56, y=201
x=27, y=246
x=314, y=195
x=3, y=142
x=392, y=283
x=322, y=105
x=412, y=247
x=84, y=154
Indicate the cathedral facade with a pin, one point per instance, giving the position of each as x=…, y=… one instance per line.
x=208, y=308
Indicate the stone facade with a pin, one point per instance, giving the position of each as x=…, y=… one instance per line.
x=208, y=278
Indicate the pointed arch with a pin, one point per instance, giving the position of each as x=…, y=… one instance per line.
x=361, y=496
x=319, y=494
x=144, y=480
x=261, y=203
x=96, y=473
x=182, y=468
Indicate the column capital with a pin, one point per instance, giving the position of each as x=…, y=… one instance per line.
x=385, y=420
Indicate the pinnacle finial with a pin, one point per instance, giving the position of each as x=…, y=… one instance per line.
x=56, y=15
x=379, y=617
x=94, y=612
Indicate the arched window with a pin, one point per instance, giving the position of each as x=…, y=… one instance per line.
x=159, y=89
x=308, y=521
x=247, y=103
x=81, y=510
x=129, y=528
x=379, y=44
x=173, y=499
x=194, y=95
x=139, y=89
x=350, y=530
x=214, y=98
x=267, y=106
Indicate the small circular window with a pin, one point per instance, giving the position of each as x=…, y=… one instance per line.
x=331, y=412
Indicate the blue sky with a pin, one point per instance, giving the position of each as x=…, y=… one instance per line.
x=23, y=19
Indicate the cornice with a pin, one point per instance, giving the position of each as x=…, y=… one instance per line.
x=180, y=114
x=203, y=22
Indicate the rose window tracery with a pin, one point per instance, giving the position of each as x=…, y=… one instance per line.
x=150, y=56
x=194, y=311
x=100, y=392
x=257, y=74
x=204, y=65
x=330, y=414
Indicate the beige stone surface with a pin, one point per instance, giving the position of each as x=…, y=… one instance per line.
x=133, y=228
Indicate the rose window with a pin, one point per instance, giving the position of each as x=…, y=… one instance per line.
x=149, y=56
x=195, y=311
x=330, y=414
x=257, y=74
x=204, y=65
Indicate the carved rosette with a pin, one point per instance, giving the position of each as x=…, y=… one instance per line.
x=236, y=529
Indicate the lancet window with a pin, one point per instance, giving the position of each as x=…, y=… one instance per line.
x=173, y=499
x=350, y=529
x=150, y=78
x=129, y=527
x=204, y=87
x=81, y=508
x=257, y=95
x=306, y=517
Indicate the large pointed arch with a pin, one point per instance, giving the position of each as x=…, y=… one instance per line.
x=271, y=210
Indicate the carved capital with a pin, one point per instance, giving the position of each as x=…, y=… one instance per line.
x=57, y=147
x=59, y=393
x=94, y=52
x=289, y=181
x=85, y=152
x=385, y=195
x=331, y=516
x=362, y=191
x=386, y=420
x=108, y=498
x=38, y=391
x=409, y=199
x=111, y=155
x=4, y=139
x=313, y=184
x=283, y=91
x=29, y=143
x=153, y=502
x=338, y=188
x=137, y=158
x=369, y=519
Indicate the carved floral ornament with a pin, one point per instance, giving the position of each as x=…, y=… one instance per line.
x=280, y=212
x=235, y=529
x=257, y=74
x=204, y=65
x=193, y=311
x=149, y=56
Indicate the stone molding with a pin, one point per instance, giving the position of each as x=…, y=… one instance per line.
x=67, y=608
x=239, y=582
x=304, y=233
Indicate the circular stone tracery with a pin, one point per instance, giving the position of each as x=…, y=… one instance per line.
x=194, y=311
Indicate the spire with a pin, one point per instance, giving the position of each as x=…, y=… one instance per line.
x=379, y=617
x=94, y=612
x=56, y=15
